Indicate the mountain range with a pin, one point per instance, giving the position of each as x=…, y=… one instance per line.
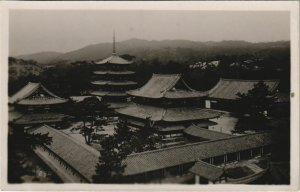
x=165, y=50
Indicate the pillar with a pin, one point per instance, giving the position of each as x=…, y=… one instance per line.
x=225, y=158
x=197, y=179
x=251, y=153
x=238, y=156
x=181, y=169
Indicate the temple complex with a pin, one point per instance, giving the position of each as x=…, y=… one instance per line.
x=170, y=104
x=113, y=78
x=34, y=105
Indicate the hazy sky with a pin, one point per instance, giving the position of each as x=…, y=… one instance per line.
x=57, y=30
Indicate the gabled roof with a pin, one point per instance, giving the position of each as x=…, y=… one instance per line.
x=25, y=96
x=167, y=114
x=168, y=157
x=228, y=88
x=81, y=157
x=163, y=85
x=197, y=131
x=114, y=59
x=206, y=170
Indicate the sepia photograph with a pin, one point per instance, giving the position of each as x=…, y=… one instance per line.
x=195, y=97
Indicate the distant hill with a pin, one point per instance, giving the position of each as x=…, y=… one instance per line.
x=165, y=50
x=41, y=57
x=22, y=68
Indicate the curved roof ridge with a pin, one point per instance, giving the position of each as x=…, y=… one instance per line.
x=118, y=60
x=24, y=92
x=178, y=77
x=52, y=94
x=191, y=89
x=30, y=88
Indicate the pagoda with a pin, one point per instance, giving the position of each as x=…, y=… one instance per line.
x=36, y=105
x=113, y=78
x=170, y=104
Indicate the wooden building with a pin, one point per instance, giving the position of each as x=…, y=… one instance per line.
x=113, y=77
x=223, y=95
x=197, y=133
x=152, y=166
x=36, y=105
x=168, y=102
x=177, y=161
x=70, y=159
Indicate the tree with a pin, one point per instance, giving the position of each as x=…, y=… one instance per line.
x=115, y=149
x=256, y=103
x=91, y=111
x=147, y=138
x=110, y=167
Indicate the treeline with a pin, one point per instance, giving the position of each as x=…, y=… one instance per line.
x=64, y=80
x=74, y=78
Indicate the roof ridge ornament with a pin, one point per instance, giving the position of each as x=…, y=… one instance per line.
x=114, y=43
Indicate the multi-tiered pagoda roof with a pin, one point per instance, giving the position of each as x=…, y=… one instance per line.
x=113, y=78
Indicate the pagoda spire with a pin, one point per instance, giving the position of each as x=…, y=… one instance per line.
x=114, y=43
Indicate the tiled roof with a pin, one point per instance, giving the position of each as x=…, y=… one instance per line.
x=111, y=94
x=174, y=94
x=24, y=96
x=114, y=83
x=197, y=131
x=68, y=149
x=183, y=114
x=169, y=114
x=81, y=157
x=164, y=85
x=41, y=101
x=114, y=72
x=172, y=156
x=228, y=88
x=38, y=118
x=206, y=170
x=24, y=92
x=114, y=59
